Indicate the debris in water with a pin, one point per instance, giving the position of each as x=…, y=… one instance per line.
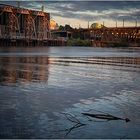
x=105, y=116
x=72, y=119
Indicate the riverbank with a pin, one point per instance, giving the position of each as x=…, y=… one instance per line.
x=93, y=43
x=78, y=42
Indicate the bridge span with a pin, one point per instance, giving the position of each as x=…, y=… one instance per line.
x=110, y=36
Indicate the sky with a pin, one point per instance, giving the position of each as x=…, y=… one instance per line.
x=79, y=13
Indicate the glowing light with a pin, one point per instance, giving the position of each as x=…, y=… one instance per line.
x=53, y=24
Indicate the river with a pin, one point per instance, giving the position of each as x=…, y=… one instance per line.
x=45, y=90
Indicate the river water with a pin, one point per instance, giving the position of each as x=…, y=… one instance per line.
x=45, y=90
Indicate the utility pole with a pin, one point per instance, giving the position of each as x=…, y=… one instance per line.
x=135, y=23
x=116, y=24
x=123, y=22
x=103, y=23
x=88, y=24
x=79, y=26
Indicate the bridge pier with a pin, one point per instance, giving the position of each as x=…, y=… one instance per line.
x=26, y=42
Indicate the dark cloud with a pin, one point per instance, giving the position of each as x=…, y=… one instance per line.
x=104, y=10
x=94, y=5
x=80, y=9
x=87, y=10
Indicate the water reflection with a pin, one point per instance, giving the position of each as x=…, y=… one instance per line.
x=36, y=89
x=116, y=61
x=23, y=70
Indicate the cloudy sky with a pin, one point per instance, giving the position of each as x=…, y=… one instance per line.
x=79, y=13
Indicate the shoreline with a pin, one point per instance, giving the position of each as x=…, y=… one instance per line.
x=135, y=48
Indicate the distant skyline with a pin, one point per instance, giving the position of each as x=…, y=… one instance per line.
x=79, y=13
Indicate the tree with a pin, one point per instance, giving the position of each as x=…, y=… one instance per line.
x=66, y=27
x=61, y=27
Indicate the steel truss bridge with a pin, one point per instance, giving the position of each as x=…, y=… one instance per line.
x=113, y=35
x=16, y=22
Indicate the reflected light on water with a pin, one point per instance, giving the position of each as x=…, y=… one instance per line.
x=24, y=69
x=38, y=85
